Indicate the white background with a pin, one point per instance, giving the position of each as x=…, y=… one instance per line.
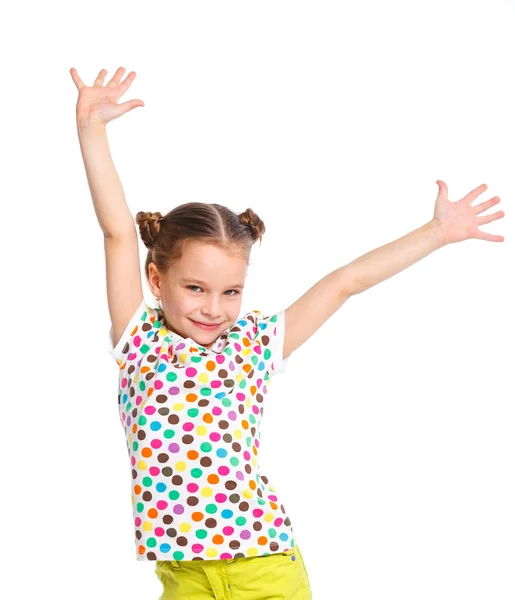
x=390, y=439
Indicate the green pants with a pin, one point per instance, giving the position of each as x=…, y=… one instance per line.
x=281, y=576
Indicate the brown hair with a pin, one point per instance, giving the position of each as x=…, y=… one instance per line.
x=215, y=224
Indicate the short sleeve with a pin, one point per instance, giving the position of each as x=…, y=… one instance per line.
x=270, y=333
x=138, y=337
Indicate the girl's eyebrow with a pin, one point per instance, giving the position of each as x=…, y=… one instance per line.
x=183, y=280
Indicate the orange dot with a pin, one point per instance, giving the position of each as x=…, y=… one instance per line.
x=208, y=418
x=141, y=550
x=197, y=516
x=245, y=424
x=273, y=505
x=191, y=397
x=192, y=454
x=218, y=539
x=152, y=513
x=246, y=342
x=253, y=390
x=137, y=490
x=213, y=478
x=247, y=368
x=210, y=365
x=252, y=485
x=146, y=452
x=145, y=369
x=262, y=541
x=150, y=391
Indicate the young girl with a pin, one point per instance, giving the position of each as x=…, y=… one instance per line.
x=193, y=373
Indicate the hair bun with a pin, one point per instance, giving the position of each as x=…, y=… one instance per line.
x=149, y=226
x=254, y=224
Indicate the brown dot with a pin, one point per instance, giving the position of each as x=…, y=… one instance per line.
x=229, y=383
x=230, y=484
x=274, y=546
x=205, y=461
x=167, y=471
x=147, y=496
x=138, y=534
x=171, y=532
x=149, y=376
x=187, y=439
x=234, y=498
x=234, y=544
x=192, y=501
x=203, y=402
x=141, y=434
x=188, y=384
x=210, y=523
x=151, y=556
x=244, y=506
x=181, y=541
x=173, y=419
x=222, y=373
x=161, y=398
x=248, y=469
x=177, y=480
x=167, y=519
x=236, y=447
x=163, y=457
x=227, y=438
x=223, y=424
x=257, y=526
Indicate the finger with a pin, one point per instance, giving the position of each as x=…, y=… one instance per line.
x=116, y=77
x=486, y=205
x=125, y=107
x=125, y=84
x=76, y=79
x=99, y=81
x=489, y=237
x=471, y=196
x=489, y=218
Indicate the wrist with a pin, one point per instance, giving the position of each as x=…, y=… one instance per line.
x=90, y=125
x=436, y=228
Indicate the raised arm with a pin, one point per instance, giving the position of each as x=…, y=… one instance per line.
x=452, y=222
x=96, y=106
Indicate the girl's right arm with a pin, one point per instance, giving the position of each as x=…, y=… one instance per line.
x=96, y=106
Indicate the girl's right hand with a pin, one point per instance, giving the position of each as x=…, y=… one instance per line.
x=99, y=103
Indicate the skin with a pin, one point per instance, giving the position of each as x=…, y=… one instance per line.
x=217, y=301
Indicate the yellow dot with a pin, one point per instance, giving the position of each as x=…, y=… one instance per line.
x=203, y=378
x=177, y=407
x=180, y=466
x=212, y=552
x=147, y=526
x=142, y=465
x=184, y=527
x=269, y=517
x=207, y=492
x=252, y=552
x=201, y=430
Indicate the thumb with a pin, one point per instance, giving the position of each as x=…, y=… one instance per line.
x=125, y=107
x=442, y=189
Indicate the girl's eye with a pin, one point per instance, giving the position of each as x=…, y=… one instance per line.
x=196, y=286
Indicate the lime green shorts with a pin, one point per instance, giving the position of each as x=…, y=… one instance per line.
x=282, y=576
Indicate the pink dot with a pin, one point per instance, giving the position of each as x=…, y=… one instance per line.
x=136, y=341
x=188, y=426
x=240, y=396
x=133, y=460
x=245, y=534
x=220, y=498
x=173, y=391
x=156, y=443
x=137, y=521
x=154, y=471
x=217, y=410
x=162, y=504
x=158, y=385
x=228, y=530
x=159, y=531
x=220, y=359
x=239, y=475
x=192, y=487
x=149, y=409
x=191, y=372
x=232, y=415
x=214, y=437
x=255, y=409
x=216, y=384
x=197, y=548
x=272, y=498
x=257, y=512
x=257, y=349
x=223, y=470
x=246, y=455
x=123, y=382
x=225, y=556
x=278, y=522
x=131, y=355
x=139, y=400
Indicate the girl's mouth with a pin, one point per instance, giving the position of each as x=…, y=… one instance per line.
x=206, y=327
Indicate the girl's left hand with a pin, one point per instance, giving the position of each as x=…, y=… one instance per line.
x=458, y=221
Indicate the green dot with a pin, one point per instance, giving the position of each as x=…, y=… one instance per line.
x=196, y=473
x=144, y=349
x=241, y=521
x=151, y=542
x=234, y=461
x=226, y=402
x=254, y=359
x=142, y=386
x=272, y=533
x=147, y=481
x=140, y=506
x=178, y=555
x=261, y=501
x=267, y=354
x=201, y=534
x=171, y=376
x=168, y=433
x=174, y=495
x=206, y=391
x=135, y=446
x=193, y=412
x=196, y=359
x=211, y=509
x=206, y=447
x=142, y=420
x=243, y=383
x=252, y=419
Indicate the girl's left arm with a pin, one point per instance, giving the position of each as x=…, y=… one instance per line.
x=452, y=222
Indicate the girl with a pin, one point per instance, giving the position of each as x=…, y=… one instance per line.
x=193, y=374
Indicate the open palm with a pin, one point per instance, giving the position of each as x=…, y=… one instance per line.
x=99, y=102
x=459, y=221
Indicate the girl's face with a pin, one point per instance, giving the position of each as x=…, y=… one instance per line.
x=204, y=286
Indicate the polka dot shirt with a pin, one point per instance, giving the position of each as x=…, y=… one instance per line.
x=191, y=417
